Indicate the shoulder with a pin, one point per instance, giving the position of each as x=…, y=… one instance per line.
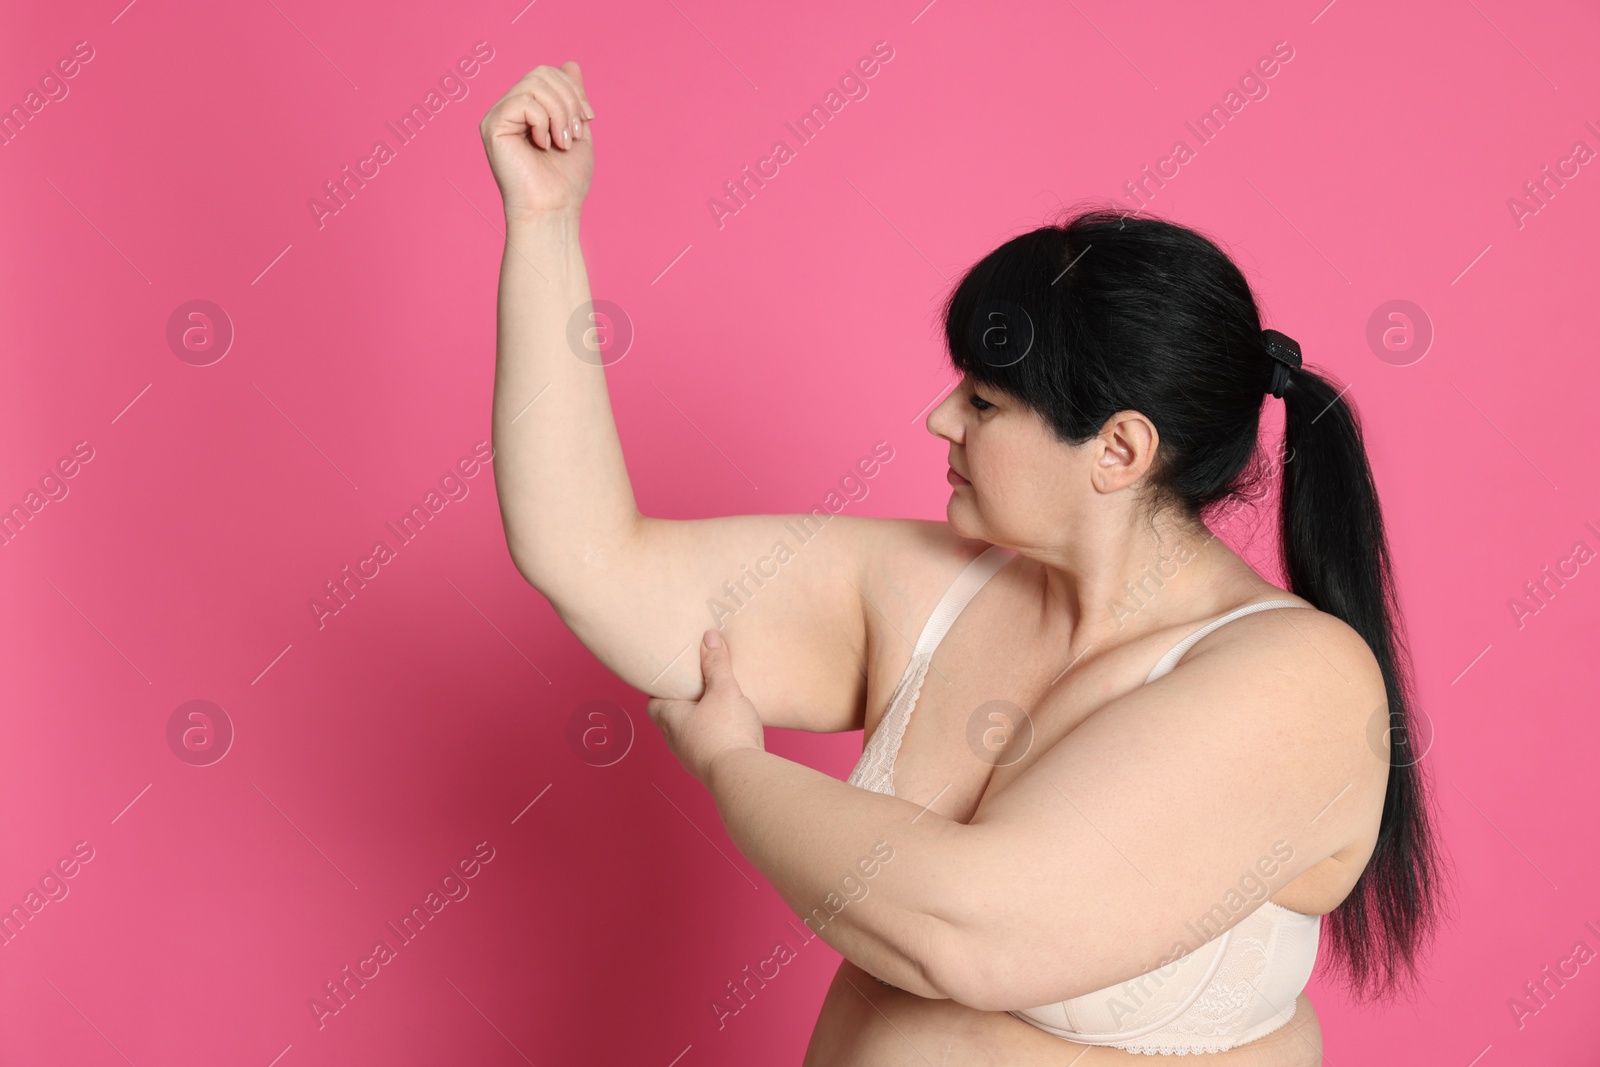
x=1314, y=670
x=1300, y=643
x=1276, y=715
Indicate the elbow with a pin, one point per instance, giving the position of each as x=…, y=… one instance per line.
x=919, y=962
x=961, y=978
x=567, y=567
x=987, y=971
x=967, y=981
x=956, y=943
x=995, y=946
x=977, y=978
x=523, y=549
x=956, y=968
x=547, y=581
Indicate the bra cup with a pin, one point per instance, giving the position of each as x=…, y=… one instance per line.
x=1232, y=985
x=1139, y=1004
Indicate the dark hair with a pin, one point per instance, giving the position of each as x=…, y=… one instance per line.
x=1107, y=311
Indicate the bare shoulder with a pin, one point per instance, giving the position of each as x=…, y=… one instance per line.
x=1319, y=655
x=1317, y=698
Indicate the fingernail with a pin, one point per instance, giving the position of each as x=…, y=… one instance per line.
x=588, y=112
x=566, y=137
x=713, y=639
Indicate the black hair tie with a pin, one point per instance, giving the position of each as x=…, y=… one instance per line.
x=1285, y=353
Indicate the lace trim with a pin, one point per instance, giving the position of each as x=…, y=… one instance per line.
x=875, y=771
x=1217, y=1011
x=1173, y=1050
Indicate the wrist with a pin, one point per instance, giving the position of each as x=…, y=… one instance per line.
x=717, y=770
x=540, y=223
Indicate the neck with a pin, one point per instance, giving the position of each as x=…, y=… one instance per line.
x=1111, y=586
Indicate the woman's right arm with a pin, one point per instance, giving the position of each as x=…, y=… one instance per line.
x=638, y=591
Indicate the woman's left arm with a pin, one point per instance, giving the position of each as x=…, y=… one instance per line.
x=1162, y=820
x=861, y=869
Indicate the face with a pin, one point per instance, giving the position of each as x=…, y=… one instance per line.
x=1019, y=485
x=1011, y=473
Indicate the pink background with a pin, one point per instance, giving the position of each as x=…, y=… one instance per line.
x=373, y=754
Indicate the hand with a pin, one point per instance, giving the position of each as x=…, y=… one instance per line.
x=539, y=143
x=723, y=719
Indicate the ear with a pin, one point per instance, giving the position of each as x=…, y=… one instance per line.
x=1124, y=451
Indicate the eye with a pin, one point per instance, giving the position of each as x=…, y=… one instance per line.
x=979, y=402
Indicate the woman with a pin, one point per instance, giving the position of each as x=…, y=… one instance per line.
x=1142, y=783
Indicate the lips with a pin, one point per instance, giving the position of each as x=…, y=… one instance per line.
x=955, y=479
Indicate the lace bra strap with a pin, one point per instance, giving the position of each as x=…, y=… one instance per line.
x=979, y=570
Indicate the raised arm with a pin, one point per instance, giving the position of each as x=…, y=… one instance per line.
x=638, y=591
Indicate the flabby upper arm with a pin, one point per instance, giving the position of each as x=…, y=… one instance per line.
x=785, y=590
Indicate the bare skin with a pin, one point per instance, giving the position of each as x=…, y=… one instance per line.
x=823, y=635
x=863, y=1022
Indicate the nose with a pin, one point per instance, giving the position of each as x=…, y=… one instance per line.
x=944, y=420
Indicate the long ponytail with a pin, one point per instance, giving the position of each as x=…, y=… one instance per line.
x=1335, y=554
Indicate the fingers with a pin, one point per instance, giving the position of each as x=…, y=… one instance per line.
x=526, y=111
x=569, y=92
x=716, y=661
x=660, y=710
x=559, y=102
x=570, y=69
x=518, y=114
x=559, y=95
x=547, y=104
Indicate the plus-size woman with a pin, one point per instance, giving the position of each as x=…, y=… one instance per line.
x=1141, y=784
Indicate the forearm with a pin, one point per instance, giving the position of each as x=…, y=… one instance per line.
x=559, y=471
x=810, y=833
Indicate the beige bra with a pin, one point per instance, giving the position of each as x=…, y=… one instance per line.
x=1232, y=990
